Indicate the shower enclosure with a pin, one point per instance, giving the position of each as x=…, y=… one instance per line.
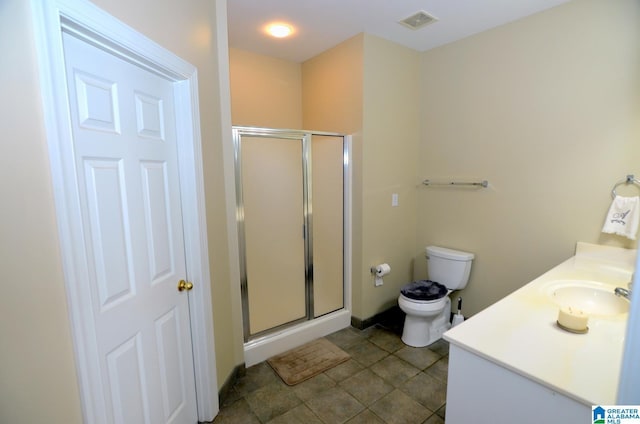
x=292, y=198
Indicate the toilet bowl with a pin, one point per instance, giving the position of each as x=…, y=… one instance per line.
x=426, y=302
x=425, y=321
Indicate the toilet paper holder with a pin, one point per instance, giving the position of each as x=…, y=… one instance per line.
x=380, y=270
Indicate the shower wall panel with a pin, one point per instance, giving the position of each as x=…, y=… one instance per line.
x=327, y=167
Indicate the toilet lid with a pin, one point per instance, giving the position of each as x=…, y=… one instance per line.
x=424, y=290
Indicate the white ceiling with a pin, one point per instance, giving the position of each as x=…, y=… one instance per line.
x=322, y=24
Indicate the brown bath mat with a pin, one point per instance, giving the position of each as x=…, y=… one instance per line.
x=306, y=361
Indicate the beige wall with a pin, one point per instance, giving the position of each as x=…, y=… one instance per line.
x=548, y=110
x=37, y=378
x=390, y=157
x=332, y=88
x=265, y=91
x=37, y=371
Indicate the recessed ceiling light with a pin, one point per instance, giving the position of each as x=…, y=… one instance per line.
x=279, y=30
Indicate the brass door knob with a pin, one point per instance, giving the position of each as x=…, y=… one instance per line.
x=184, y=285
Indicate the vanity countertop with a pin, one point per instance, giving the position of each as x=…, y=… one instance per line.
x=520, y=332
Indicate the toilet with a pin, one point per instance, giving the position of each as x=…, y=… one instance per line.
x=426, y=302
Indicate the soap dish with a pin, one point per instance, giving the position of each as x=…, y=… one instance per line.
x=572, y=330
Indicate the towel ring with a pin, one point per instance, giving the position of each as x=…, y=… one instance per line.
x=629, y=180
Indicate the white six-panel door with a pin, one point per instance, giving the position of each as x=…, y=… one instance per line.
x=124, y=138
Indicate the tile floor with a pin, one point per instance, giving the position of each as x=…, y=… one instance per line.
x=383, y=382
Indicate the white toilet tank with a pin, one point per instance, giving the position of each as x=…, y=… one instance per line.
x=449, y=267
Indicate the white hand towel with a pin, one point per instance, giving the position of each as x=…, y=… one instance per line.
x=623, y=217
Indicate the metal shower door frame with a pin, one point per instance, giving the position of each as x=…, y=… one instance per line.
x=305, y=138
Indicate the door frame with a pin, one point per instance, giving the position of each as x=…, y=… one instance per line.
x=85, y=20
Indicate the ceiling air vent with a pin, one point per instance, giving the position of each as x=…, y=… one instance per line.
x=418, y=20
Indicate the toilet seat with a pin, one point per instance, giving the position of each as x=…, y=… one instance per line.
x=423, y=302
x=424, y=291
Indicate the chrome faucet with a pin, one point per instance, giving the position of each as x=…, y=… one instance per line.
x=619, y=291
x=626, y=293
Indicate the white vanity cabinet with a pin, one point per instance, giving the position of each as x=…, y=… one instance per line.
x=482, y=392
x=512, y=363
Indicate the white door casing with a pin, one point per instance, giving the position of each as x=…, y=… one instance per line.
x=119, y=216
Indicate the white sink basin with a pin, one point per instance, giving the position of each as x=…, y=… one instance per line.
x=592, y=297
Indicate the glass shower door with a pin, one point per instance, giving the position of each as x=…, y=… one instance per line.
x=273, y=206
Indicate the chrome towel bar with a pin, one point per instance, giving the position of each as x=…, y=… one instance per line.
x=483, y=183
